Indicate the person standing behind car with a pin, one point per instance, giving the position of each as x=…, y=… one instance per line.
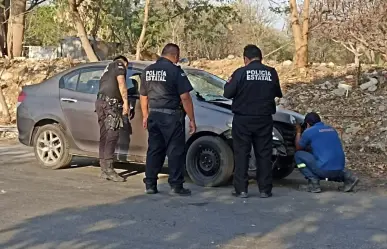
x=111, y=104
x=164, y=87
x=253, y=89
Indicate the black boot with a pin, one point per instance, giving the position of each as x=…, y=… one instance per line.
x=103, y=165
x=180, y=191
x=265, y=194
x=239, y=194
x=151, y=189
x=350, y=181
x=108, y=171
x=313, y=186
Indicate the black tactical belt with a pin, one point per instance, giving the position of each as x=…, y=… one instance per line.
x=108, y=99
x=167, y=111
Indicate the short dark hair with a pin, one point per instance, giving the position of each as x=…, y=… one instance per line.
x=251, y=51
x=121, y=57
x=171, y=49
x=312, y=118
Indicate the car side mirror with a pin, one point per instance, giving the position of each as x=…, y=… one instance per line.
x=184, y=61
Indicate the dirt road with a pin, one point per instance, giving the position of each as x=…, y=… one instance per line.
x=73, y=209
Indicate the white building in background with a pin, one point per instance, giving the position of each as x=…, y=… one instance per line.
x=40, y=53
x=70, y=47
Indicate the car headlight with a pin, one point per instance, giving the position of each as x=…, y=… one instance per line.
x=229, y=124
x=276, y=135
x=292, y=119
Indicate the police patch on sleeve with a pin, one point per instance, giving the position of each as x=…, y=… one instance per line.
x=120, y=65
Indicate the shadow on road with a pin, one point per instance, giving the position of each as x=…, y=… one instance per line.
x=209, y=219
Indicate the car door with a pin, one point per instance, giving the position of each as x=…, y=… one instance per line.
x=78, y=91
x=133, y=142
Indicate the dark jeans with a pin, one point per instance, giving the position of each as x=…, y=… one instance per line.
x=166, y=138
x=256, y=131
x=307, y=165
x=108, y=138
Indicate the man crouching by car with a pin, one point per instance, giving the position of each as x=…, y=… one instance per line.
x=320, y=155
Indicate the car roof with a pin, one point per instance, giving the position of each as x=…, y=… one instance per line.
x=135, y=63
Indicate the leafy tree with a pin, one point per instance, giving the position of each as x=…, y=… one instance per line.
x=43, y=27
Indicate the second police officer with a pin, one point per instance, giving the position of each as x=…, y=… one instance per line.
x=164, y=87
x=111, y=105
x=253, y=89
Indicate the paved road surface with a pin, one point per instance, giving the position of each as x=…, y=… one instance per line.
x=73, y=209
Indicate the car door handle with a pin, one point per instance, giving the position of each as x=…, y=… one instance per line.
x=68, y=100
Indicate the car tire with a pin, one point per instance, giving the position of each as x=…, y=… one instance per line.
x=209, y=161
x=283, y=167
x=51, y=147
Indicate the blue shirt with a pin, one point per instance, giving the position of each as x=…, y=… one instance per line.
x=326, y=146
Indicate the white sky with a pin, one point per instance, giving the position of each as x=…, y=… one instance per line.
x=279, y=19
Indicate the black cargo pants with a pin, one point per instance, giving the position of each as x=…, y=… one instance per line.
x=166, y=138
x=253, y=131
x=108, y=138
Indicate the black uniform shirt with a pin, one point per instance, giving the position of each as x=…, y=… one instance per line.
x=108, y=84
x=163, y=82
x=253, y=89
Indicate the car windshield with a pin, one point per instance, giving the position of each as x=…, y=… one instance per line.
x=209, y=86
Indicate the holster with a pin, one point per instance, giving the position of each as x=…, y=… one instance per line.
x=114, y=118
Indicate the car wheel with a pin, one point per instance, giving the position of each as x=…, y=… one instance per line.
x=283, y=167
x=209, y=161
x=51, y=147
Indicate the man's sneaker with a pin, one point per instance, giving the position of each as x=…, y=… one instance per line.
x=265, y=195
x=241, y=194
x=180, y=191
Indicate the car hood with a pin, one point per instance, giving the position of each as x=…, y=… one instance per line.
x=282, y=115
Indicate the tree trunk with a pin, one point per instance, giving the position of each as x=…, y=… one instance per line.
x=10, y=38
x=4, y=107
x=372, y=56
x=357, y=59
x=16, y=27
x=73, y=8
x=4, y=15
x=3, y=104
x=143, y=31
x=300, y=35
x=303, y=56
x=296, y=28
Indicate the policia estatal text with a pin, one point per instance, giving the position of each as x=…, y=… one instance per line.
x=164, y=88
x=111, y=104
x=253, y=89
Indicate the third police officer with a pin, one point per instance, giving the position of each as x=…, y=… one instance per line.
x=164, y=88
x=253, y=89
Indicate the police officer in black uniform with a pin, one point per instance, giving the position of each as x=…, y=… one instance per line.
x=111, y=105
x=164, y=88
x=253, y=89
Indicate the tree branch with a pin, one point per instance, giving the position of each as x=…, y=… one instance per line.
x=35, y=3
x=77, y=4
